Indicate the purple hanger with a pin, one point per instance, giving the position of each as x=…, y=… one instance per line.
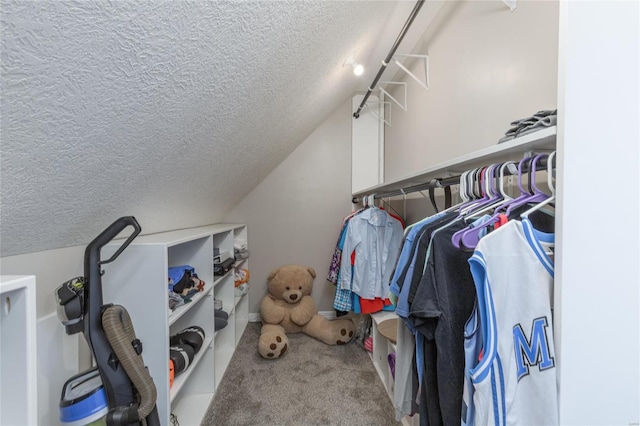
x=471, y=236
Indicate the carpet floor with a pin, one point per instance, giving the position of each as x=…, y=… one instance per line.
x=312, y=384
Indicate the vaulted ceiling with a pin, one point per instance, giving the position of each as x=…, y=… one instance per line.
x=171, y=110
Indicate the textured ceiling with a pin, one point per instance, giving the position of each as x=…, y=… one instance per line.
x=171, y=111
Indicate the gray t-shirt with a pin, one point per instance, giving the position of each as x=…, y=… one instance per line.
x=443, y=301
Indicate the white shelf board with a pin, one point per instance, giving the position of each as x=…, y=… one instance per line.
x=543, y=140
x=239, y=263
x=182, y=378
x=215, y=334
x=380, y=316
x=241, y=325
x=14, y=282
x=182, y=309
x=219, y=278
x=239, y=298
x=223, y=358
x=180, y=236
x=190, y=409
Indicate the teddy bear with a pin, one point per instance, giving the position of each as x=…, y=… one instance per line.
x=288, y=308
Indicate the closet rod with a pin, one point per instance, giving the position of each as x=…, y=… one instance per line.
x=404, y=30
x=453, y=180
x=443, y=182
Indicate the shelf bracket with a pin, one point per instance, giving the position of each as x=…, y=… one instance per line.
x=425, y=83
x=511, y=3
x=382, y=117
x=387, y=94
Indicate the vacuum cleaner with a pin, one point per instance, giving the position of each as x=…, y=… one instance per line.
x=119, y=389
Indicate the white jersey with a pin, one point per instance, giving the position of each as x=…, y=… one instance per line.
x=515, y=381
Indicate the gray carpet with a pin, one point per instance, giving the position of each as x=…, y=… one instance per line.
x=312, y=384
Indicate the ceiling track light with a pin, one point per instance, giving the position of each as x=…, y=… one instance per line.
x=358, y=69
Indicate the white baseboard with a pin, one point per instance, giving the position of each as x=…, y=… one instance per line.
x=255, y=317
x=328, y=314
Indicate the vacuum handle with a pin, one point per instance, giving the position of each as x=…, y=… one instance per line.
x=115, y=380
x=110, y=233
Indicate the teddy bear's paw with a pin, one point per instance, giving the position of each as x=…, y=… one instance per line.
x=345, y=336
x=273, y=346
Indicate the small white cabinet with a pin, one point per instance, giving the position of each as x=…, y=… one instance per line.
x=137, y=280
x=18, y=380
x=382, y=348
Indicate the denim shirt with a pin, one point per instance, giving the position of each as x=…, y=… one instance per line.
x=407, y=256
x=376, y=237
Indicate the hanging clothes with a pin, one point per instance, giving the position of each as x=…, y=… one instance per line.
x=406, y=378
x=474, y=348
x=372, y=238
x=513, y=272
x=439, y=307
x=375, y=238
x=334, y=268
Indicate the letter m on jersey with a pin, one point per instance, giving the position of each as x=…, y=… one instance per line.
x=534, y=351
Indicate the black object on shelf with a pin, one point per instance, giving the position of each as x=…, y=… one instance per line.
x=224, y=267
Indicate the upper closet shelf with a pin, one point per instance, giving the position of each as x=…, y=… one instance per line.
x=543, y=140
x=173, y=238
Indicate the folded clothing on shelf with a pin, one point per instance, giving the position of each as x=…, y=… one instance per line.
x=241, y=276
x=242, y=289
x=523, y=126
x=240, y=244
x=175, y=300
x=241, y=254
x=183, y=280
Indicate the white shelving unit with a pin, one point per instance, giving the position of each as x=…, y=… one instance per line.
x=137, y=280
x=18, y=378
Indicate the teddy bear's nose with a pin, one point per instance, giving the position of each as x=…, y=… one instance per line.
x=293, y=297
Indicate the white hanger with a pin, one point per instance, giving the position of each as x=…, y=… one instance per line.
x=512, y=170
x=551, y=186
x=505, y=197
x=463, y=186
x=496, y=192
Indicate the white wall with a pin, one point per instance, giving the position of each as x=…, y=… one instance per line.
x=597, y=277
x=59, y=356
x=295, y=214
x=488, y=67
x=51, y=268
